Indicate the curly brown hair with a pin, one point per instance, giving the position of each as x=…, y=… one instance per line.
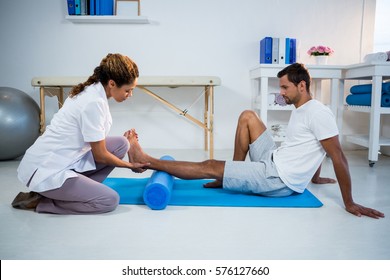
x=117, y=67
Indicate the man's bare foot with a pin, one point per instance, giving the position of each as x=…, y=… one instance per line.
x=135, y=152
x=213, y=185
x=130, y=134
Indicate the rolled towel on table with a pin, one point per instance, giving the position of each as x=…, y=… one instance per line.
x=367, y=88
x=376, y=57
x=364, y=99
x=385, y=101
x=361, y=89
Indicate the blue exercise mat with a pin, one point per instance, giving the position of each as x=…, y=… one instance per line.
x=192, y=193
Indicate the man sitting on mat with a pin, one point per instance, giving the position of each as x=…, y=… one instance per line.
x=275, y=172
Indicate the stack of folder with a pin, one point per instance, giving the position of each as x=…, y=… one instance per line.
x=278, y=50
x=90, y=7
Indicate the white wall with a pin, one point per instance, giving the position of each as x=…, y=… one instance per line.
x=192, y=37
x=382, y=22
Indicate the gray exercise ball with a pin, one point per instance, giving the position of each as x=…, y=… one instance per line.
x=19, y=122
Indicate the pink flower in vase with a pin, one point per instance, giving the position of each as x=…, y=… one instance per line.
x=320, y=50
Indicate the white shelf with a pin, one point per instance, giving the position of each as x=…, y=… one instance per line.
x=272, y=107
x=263, y=76
x=377, y=73
x=337, y=75
x=366, y=109
x=277, y=107
x=363, y=140
x=108, y=19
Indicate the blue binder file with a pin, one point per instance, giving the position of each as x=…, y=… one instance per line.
x=97, y=7
x=77, y=5
x=266, y=50
x=287, y=55
x=92, y=10
x=106, y=7
x=293, y=50
x=71, y=8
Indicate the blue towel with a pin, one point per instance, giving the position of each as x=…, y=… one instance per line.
x=367, y=88
x=192, y=193
x=365, y=99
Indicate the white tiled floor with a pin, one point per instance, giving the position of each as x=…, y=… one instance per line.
x=135, y=232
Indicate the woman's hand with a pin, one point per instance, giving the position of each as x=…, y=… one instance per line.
x=139, y=167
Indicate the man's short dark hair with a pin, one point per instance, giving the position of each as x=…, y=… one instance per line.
x=296, y=73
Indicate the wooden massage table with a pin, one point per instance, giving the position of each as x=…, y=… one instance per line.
x=54, y=86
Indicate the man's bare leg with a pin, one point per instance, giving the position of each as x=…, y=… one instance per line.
x=209, y=169
x=249, y=128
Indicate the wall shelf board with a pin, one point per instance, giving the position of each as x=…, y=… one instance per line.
x=108, y=19
x=364, y=140
x=366, y=109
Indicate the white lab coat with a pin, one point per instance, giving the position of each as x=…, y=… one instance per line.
x=64, y=146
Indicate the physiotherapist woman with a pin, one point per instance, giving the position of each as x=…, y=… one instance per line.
x=65, y=167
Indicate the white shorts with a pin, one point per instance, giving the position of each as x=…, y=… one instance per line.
x=258, y=176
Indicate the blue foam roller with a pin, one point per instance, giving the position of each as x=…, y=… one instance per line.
x=158, y=190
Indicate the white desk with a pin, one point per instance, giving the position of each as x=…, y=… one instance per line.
x=374, y=73
x=54, y=86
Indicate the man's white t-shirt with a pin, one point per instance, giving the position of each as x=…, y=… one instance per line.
x=300, y=155
x=64, y=146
